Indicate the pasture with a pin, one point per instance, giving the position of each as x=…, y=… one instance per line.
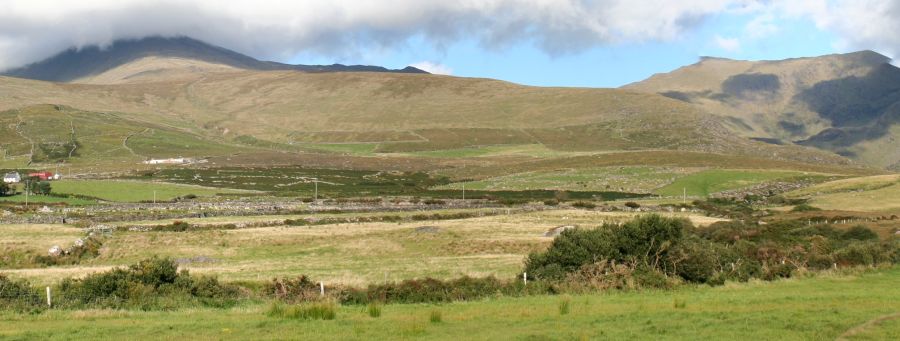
x=846, y=305
x=878, y=194
x=134, y=191
x=347, y=253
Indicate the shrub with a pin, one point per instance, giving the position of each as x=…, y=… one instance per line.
x=551, y=202
x=859, y=232
x=18, y=295
x=150, y=284
x=584, y=204
x=805, y=208
x=644, y=240
x=632, y=205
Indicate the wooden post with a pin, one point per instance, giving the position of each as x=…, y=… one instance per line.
x=525, y=278
x=49, y=301
x=322, y=289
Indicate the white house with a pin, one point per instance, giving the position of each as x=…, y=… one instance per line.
x=171, y=161
x=12, y=177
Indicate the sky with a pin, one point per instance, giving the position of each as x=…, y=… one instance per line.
x=584, y=43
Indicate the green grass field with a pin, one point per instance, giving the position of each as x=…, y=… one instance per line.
x=716, y=180
x=868, y=194
x=627, y=179
x=350, y=253
x=132, y=191
x=850, y=306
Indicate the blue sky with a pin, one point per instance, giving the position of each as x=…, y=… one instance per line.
x=611, y=65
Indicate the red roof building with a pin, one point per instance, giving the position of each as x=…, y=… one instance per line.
x=44, y=176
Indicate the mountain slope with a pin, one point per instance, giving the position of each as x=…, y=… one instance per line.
x=405, y=113
x=74, y=64
x=845, y=103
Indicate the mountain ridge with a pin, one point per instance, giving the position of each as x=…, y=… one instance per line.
x=93, y=60
x=848, y=104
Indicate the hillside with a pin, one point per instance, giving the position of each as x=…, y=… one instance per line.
x=230, y=104
x=845, y=103
x=402, y=113
x=75, y=64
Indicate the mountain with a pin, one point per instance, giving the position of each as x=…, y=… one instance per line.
x=76, y=64
x=848, y=104
x=161, y=97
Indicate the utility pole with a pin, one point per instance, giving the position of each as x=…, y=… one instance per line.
x=684, y=195
x=26, y=193
x=316, y=195
x=154, y=196
x=464, y=191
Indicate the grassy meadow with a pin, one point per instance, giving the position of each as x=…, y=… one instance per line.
x=133, y=191
x=880, y=194
x=847, y=305
x=347, y=253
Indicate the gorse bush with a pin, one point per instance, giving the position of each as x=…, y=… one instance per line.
x=153, y=283
x=652, y=251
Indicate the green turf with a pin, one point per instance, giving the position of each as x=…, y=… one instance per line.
x=716, y=180
x=343, y=148
x=629, y=179
x=131, y=191
x=39, y=199
x=821, y=308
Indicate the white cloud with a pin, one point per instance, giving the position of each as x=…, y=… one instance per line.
x=339, y=29
x=434, y=68
x=761, y=27
x=727, y=44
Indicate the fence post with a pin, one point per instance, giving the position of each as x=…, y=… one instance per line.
x=525, y=278
x=322, y=289
x=49, y=301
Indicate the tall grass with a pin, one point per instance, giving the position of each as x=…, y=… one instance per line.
x=309, y=311
x=374, y=310
x=565, y=305
x=436, y=316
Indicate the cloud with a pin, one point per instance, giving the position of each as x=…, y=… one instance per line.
x=864, y=24
x=761, y=27
x=434, y=68
x=31, y=30
x=727, y=44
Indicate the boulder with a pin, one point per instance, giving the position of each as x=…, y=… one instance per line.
x=55, y=251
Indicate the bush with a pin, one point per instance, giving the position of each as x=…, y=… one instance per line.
x=632, y=205
x=859, y=232
x=584, y=204
x=805, y=208
x=645, y=240
x=153, y=283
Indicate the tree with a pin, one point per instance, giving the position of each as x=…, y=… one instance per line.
x=5, y=189
x=34, y=185
x=43, y=187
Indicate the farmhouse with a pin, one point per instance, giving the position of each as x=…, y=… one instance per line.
x=44, y=176
x=12, y=177
x=170, y=161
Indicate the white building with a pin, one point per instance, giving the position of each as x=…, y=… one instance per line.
x=12, y=178
x=171, y=161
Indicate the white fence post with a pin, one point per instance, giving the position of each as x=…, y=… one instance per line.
x=322, y=289
x=49, y=302
x=525, y=278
